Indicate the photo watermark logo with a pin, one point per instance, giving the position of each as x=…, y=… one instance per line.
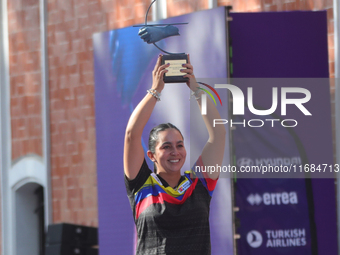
x=238, y=104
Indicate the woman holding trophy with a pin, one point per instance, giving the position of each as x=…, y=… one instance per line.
x=171, y=211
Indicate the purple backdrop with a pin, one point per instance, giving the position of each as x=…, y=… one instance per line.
x=289, y=45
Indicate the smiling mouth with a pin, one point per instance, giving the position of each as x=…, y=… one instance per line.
x=174, y=160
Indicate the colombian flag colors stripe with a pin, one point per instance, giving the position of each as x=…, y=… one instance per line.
x=153, y=192
x=158, y=195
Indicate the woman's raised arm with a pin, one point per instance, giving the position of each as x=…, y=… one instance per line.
x=133, y=150
x=213, y=150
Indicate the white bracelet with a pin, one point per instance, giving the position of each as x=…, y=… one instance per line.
x=197, y=93
x=155, y=94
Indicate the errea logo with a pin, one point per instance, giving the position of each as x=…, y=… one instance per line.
x=284, y=198
x=254, y=199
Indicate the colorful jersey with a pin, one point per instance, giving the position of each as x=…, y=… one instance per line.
x=171, y=221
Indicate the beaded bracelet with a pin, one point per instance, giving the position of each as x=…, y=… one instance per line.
x=155, y=94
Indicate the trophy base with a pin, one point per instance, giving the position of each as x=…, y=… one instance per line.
x=174, y=75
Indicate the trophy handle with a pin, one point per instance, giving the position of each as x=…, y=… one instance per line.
x=146, y=24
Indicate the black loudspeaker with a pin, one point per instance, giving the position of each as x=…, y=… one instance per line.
x=72, y=234
x=69, y=239
x=66, y=249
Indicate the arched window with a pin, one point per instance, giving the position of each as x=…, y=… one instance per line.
x=29, y=219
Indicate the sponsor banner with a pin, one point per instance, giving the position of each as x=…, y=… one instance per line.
x=274, y=216
x=284, y=216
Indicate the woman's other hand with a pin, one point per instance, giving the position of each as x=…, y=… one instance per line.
x=191, y=83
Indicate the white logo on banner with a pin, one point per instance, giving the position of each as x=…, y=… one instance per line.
x=269, y=161
x=283, y=198
x=245, y=162
x=278, y=161
x=254, y=239
x=254, y=199
x=286, y=237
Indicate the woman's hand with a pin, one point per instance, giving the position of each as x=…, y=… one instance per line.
x=157, y=75
x=191, y=83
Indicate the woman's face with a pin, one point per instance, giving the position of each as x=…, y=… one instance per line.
x=170, y=152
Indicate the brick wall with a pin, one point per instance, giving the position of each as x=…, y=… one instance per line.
x=180, y=7
x=25, y=77
x=73, y=152
x=70, y=26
